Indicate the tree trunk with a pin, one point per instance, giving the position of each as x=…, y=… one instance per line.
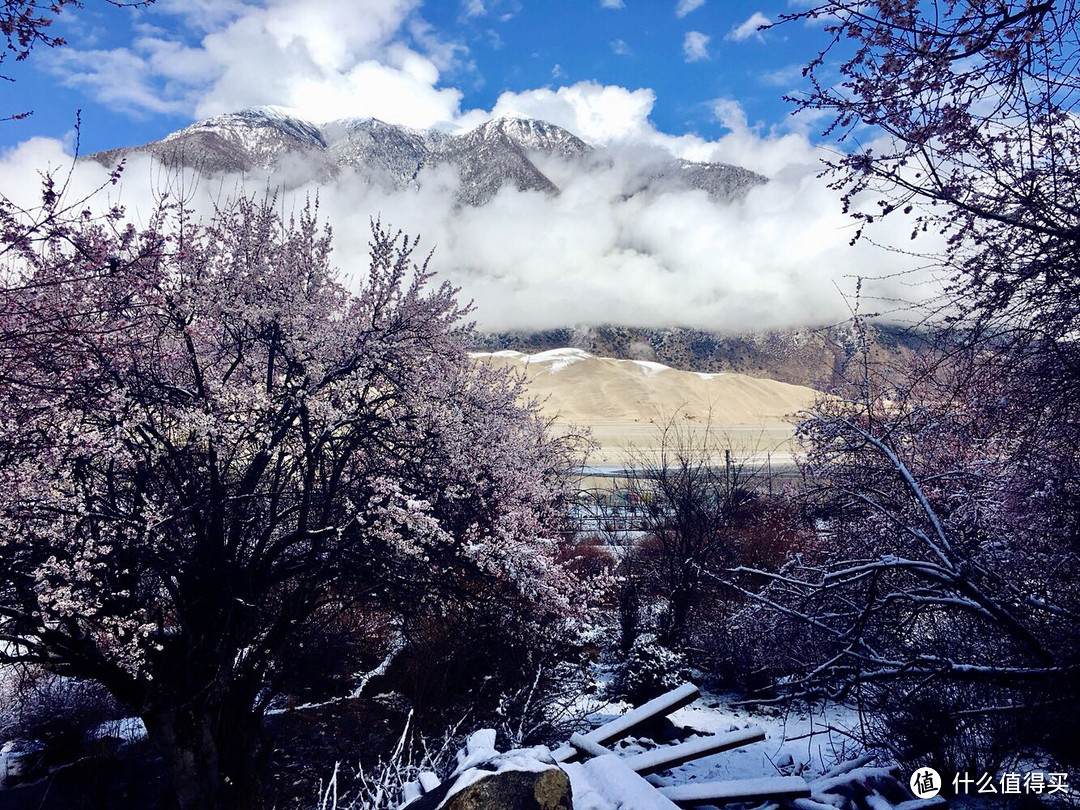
x=629, y=614
x=680, y=602
x=212, y=755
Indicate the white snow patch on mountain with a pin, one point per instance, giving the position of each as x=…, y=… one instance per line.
x=650, y=368
x=560, y=359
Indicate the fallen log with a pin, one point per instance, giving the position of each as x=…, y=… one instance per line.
x=737, y=790
x=672, y=756
x=621, y=726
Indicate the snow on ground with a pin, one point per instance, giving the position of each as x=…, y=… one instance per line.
x=651, y=369
x=559, y=359
x=11, y=755
x=796, y=742
x=604, y=783
x=807, y=741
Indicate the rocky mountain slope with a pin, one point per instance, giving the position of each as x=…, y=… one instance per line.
x=497, y=153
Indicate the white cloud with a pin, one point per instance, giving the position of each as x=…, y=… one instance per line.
x=307, y=56
x=613, y=116
x=202, y=15
x=695, y=46
x=684, y=7
x=783, y=77
x=596, y=253
x=473, y=8
x=121, y=78
x=445, y=54
x=619, y=47
x=730, y=114
x=601, y=114
x=612, y=3
x=749, y=28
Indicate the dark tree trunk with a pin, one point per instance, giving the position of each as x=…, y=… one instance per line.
x=212, y=754
x=680, y=602
x=629, y=614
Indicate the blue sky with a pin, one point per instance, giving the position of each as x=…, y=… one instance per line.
x=138, y=74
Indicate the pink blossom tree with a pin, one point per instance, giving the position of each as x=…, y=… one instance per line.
x=962, y=115
x=944, y=587
x=942, y=594
x=207, y=439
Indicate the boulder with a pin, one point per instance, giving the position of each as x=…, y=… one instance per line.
x=501, y=790
x=524, y=779
x=515, y=790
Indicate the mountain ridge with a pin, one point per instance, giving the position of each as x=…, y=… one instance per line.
x=494, y=154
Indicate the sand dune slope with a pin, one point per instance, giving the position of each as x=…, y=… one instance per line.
x=621, y=400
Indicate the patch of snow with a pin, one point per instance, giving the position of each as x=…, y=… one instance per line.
x=12, y=754
x=480, y=750
x=559, y=358
x=428, y=780
x=809, y=738
x=705, y=375
x=607, y=783
x=410, y=792
x=10, y=763
x=722, y=792
x=650, y=368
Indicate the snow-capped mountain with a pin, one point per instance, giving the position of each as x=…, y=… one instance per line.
x=393, y=154
x=497, y=153
x=234, y=142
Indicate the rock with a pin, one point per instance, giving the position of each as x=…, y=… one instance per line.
x=516, y=780
x=515, y=790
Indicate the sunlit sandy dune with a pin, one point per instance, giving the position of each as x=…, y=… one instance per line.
x=622, y=401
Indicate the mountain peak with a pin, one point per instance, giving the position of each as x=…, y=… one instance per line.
x=241, y=125
x=530, y=134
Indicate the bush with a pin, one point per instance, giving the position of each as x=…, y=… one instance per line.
x=650, y=669
x=59, y=713
x=500, y=667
